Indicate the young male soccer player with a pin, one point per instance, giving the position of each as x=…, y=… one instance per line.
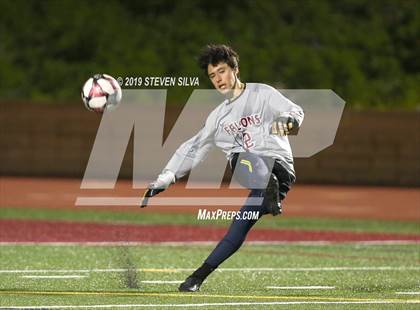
x=251, y=126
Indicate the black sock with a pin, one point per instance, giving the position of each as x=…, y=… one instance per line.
x=202, y=272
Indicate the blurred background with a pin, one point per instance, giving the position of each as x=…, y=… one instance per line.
x=365, y=51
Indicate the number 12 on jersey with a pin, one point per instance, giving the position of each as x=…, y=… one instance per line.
x=247, y=139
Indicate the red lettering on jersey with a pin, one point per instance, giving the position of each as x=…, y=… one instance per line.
x=244, y=122
x=250, y=120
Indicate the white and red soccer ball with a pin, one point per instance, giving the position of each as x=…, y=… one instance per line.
x=101, y=92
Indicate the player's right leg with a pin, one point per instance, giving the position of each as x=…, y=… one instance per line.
x=230, y=243
x=251, y=172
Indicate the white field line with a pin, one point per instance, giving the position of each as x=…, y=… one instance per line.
x=169, y=270
x=205, y=243
x=84, y=276
x=222, y=304
x=161, y=282
x=55, y=277
x=313, y=287
x=407, y=293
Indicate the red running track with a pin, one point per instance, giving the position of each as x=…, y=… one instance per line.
x=62, y=231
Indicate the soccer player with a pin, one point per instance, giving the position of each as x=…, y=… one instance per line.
x=251, y=126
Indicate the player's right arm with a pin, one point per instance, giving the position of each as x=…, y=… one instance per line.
x=191, y=153
x=185, y=158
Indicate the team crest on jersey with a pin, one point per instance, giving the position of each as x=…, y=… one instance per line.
x=241, y=124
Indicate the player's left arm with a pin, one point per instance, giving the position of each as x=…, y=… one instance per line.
x=288, y=116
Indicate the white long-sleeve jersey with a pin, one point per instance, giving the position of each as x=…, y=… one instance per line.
x=241, y=125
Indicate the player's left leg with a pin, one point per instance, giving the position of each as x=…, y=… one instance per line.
x=281, y=181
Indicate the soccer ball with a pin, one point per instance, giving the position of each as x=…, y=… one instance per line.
x=101, y=92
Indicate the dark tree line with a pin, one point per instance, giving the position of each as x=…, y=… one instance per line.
x=366, y=51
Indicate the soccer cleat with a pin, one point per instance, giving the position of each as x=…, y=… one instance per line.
x=272, y=197
x=280, y=208
x=191, y=284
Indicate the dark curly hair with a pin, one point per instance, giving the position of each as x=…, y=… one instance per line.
x=217, y=53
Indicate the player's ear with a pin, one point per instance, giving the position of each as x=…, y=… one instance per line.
x=236, y=71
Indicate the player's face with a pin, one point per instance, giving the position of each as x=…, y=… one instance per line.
x=222, y=76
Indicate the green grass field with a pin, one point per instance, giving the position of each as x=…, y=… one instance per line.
x=362, y=276
x=356, y=276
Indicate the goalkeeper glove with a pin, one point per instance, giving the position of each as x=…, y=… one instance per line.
x=164, y=180
x=284, y=126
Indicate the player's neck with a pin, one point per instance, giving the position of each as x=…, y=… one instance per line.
x=237, y=90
